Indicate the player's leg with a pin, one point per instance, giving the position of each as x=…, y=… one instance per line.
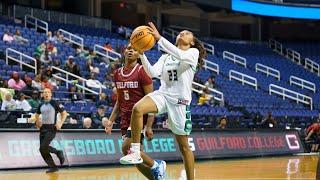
x=180, y=124
x=144, y=168
x=46, y=136
x=144, y=106
x=187, y=155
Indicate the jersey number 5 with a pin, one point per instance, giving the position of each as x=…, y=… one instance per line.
x=126, y=95
x=173, y=75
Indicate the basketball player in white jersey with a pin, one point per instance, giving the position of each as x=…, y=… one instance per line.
x=176, y=71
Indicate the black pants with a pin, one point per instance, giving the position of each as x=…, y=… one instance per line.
x=47, y=134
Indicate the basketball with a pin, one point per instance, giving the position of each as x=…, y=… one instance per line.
x=141, y=39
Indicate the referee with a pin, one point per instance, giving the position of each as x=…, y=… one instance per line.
x=49, y=109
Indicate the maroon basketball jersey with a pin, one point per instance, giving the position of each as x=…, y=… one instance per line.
x=129, y=84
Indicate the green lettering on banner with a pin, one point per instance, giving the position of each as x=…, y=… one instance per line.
x=110, y=146
x=25, y=146
x=155, y=145
x=91, y=149
x=120, y=141
x=101, y=149
x=164, y=145
x=14, y=148
x=171, y=145
x=146, y=147
x=79, y=144
x=68, y=147
x=56, y=144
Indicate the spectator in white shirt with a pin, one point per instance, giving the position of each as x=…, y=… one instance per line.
x=18, y=37
x=22, y=103
x=8, y=104
x=7, y=37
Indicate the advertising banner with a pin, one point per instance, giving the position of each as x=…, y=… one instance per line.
x=20, y=149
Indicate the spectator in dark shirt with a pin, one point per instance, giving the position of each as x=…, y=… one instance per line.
x=102, y=100
x=28, y=89
x=68, y=66
x=98, y=116
x=222, y=123
x=269, y=121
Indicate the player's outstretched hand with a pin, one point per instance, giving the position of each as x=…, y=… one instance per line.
x=154, y=31
x=108, y=127
x=149, y=133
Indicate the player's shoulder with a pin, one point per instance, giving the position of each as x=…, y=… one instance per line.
x=193, y=50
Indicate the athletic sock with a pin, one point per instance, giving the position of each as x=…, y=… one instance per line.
x=135, y=147
x=155, y=164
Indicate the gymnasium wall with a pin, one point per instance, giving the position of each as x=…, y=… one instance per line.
x=19, y=148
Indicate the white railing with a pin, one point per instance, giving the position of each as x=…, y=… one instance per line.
x=276, y=46
x=312, y=66
x=211, y=66
x=216, y=94
x=243, y=78
x=20, y=58
x=286, y=93
x=304, y=84
x=37, y=23
x=293, y=55
x=71, y=37
x=235, y=58
x=77, y=85
x=173, y=34
x=268, y=70
x=68, y=75
x=106, y=52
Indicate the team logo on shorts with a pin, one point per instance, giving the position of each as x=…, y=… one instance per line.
x=183, y=101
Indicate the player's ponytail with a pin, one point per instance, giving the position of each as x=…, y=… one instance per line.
x=202, y=52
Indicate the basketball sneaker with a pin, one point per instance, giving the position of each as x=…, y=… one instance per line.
x=159, y=172
x=131, y=158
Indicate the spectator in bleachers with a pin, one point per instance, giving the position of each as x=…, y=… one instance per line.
x=107, y=46
x=36, y=83
x=15, y=82
x=53, y=51
x=28, y=89
x=69, y=65
x=46, y=84
x=76, y=70
x=210, y=83
x=93, y=83
x=34, y=101
x=222, y=123
x=22, y=103
x=103, y=101
x=87, y=123
x=122, y=31
x=58, y=37
x=269, y=121
x=8, y=104
x=50, y=38
x=108, y=81
x=46, y=58
x=91, y=67
x=7, y=37
x=98, y=116
x=18, y=37
x=104, y=122
x=3, y=83
x=91, y=55
x=206, y=97
x=74, y=95
x=40, y=50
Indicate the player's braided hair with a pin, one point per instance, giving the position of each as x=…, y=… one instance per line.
x=202, y=51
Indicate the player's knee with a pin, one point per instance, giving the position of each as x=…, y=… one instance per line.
x=184, y=149
x=137, y=110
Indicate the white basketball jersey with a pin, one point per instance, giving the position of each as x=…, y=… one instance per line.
x=175, y=70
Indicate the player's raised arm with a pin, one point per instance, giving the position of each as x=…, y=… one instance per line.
x=156, y=69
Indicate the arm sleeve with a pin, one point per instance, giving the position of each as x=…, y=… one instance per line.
x=156, y=69
x=189, y=56
x=144, y=79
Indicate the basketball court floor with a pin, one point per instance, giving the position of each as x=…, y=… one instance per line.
x=289, y=167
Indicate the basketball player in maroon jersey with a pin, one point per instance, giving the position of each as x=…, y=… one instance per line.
x=132, y=84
